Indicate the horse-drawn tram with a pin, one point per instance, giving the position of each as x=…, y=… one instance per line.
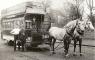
x=28, y=16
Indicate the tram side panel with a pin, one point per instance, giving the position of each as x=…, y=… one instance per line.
x=8, y=25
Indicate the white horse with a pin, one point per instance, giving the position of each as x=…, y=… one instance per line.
x=79, y=34
x=65, y=33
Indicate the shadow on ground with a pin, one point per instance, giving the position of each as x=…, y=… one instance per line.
x=37, y=49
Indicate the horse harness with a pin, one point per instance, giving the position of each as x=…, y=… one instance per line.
x=71, y=32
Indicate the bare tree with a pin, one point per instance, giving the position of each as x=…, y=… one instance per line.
x=75, y=10
x=91, y=8
x=46, y=7
x=51, y=13
x=46, y=4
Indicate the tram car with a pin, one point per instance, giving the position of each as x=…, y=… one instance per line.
x=29, y=16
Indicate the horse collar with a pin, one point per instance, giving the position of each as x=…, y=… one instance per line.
x=80, y=33
x=69, y=33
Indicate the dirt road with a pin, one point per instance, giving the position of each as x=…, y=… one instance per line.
x=42, y=53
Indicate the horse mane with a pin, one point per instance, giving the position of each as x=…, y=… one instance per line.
x=70, y=27
x=70, y=24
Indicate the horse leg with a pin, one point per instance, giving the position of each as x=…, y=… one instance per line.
x=67, y=43
x=22, y=46
x=65, y=47
x=54, y=41
x=52, y=45
x=18, y=47
x=51, y=39
x=80, y=43
x=75, y=41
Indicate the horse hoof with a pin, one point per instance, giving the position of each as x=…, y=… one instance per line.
x=53, y=53
x=74, y=54
x=81, y=54
x=67, y=55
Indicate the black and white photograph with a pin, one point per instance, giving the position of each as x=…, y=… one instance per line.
x=47, y=29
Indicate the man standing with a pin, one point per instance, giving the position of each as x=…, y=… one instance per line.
x=22, y=38
x=15, y=32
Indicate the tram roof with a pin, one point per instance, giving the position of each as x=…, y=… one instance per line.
x=34, y=8
x=35, y=11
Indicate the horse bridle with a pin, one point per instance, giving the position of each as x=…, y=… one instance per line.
x=87, y=28
x=81, y=32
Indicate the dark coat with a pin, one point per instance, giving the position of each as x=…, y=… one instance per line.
x=22, y=36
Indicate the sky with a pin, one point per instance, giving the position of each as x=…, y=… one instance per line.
x=8, y=3
x=56, y=4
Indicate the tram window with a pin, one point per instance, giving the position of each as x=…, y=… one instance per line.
x=18, y=22
x=15, y=23
x=3, y=25
x=8, y=24
x=21, y=22
x=28, y=24
x=12, y=24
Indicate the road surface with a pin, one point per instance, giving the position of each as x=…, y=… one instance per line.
x=42, y=53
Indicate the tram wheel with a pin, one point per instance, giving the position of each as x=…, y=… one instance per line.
x=11, y=43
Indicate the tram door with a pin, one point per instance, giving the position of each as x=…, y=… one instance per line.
x=36, y=22
x=33, y=22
